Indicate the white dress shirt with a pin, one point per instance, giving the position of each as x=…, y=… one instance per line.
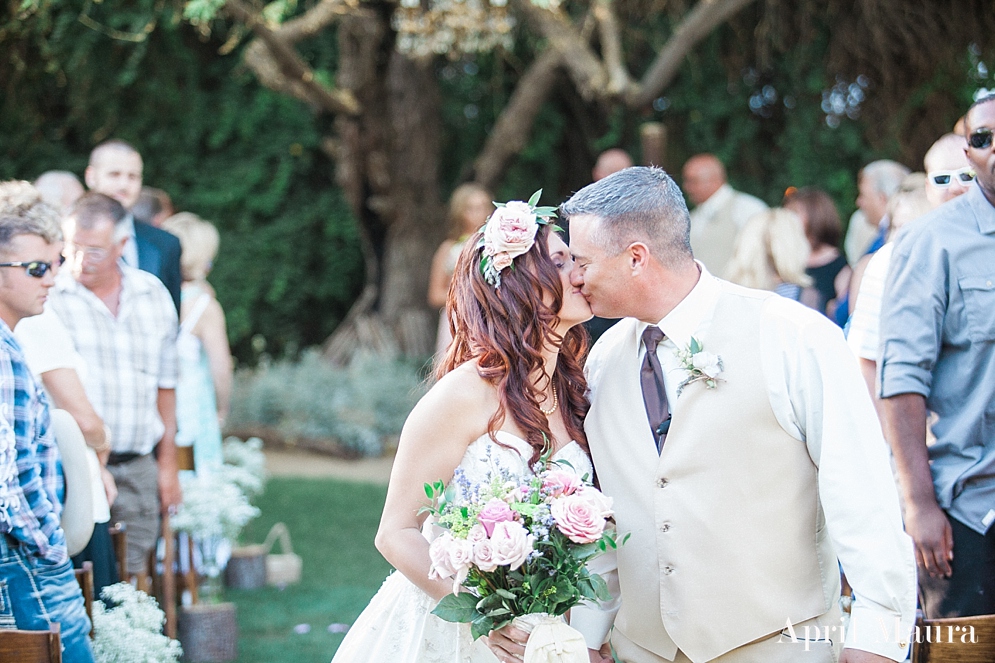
x=130, y=255
x=818, y=396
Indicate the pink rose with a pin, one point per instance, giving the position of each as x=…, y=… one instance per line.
x=460, y=555
x=561, y=482
x=495, y=511
x=483, y=556
x=476, y=534
x=438, y=553
x=511, y=229
x=501, y=260
x=511, y=544
x=578, y=518
x=600, y=502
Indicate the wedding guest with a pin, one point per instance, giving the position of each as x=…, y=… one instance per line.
x=937, y=350
x=60, y=189
x=740, y=506
x=37, y=580
x=720, y=211
x=203, y=393
x=53, y=360
x=469, y=207
x=154, y=206
x=876, y=183
x=115, y=170
x=948, y=172
x=770, y=254
x=826, y=265
x=107, y=306
x=908, y=204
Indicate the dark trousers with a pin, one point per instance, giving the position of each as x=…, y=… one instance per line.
x=99, y=551
x=970, y=590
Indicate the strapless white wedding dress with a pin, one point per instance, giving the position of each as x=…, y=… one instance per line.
x=398, y=625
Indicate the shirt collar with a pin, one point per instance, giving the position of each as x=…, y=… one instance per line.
x=129, y=224
x=984, y=211
x=716, y=200
x=684, y=320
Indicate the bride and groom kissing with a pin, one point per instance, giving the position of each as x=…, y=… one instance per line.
x=730, y=427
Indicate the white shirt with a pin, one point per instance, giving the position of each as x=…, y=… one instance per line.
x=47, y=346
x=130, y=255
x=818, y=397
x=130, y=356
x=863, y=337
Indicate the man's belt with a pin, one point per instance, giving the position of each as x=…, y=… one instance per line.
x=122, y=458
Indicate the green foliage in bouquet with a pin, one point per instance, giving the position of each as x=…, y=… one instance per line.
x=519, y=548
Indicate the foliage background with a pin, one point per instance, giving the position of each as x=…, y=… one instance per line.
x=251, y=160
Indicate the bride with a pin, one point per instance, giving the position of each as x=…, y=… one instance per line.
x=510, y=388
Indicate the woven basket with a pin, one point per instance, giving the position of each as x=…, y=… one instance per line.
x=246, y=568
x=285, y=568
x=208, y=633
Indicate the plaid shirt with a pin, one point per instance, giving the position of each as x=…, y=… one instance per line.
x=129, y=357
x=30, y=469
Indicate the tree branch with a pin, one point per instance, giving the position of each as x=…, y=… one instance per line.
x=513, y=126
x=281, y=68
x=698, y=23
x=581, y=63
x=316, y=19
x=611, y=48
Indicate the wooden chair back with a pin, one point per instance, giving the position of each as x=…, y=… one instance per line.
x=84, y=577
x=119, y=541
x=954, y=640
x=184, y=458
x=31, y=646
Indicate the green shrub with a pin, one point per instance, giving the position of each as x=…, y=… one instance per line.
x=361, y=406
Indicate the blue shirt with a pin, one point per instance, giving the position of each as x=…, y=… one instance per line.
x=30, y=470
x=938, y=340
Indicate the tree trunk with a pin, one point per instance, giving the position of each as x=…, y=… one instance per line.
x=388, y=159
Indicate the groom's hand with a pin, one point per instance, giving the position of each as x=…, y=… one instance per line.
x=508, y=643
x=861, y=656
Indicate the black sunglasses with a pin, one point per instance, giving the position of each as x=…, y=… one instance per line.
x=980, y=139
x=35, y=268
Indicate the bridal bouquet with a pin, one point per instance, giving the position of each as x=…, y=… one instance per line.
x=519, y=547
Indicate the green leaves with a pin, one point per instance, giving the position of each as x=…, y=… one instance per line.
x=459, y=608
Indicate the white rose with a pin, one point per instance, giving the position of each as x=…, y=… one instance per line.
x=707, y=363
x=511, y=544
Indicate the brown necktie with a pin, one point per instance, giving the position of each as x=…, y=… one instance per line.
x=654, y=392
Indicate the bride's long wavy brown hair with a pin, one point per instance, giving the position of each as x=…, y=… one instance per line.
x=505, y=330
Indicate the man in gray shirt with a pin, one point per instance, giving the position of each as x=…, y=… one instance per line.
x=938, y=354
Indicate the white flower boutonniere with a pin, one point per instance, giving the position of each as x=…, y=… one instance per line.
x=701, y=366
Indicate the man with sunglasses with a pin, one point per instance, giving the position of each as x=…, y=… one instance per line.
x=37, y=584
x=948, y=172
x=937, y=355
x=123, y=324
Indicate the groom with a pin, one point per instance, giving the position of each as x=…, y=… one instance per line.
x=733, y=430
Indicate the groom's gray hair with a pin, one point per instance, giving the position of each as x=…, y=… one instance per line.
x=640, y=204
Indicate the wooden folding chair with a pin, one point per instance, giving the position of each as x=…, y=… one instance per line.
x=954, y=640
x=31, y=646
x=119, y=541
x=84, y=577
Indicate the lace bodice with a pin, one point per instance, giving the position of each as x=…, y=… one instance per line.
x=484, y=459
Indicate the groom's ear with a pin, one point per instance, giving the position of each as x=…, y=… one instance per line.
x=639, y=257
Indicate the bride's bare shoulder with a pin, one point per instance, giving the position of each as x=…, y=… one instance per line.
x=461, y=392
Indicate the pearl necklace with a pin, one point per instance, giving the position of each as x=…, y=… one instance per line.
x=556, y=404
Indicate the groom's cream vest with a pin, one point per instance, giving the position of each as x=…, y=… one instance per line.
x=728, y=539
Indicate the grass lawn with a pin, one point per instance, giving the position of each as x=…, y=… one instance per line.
x=332, y=524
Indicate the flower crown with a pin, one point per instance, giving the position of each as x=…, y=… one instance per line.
x=509, y=232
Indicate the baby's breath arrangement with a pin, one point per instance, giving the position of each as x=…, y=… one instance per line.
x=245, y=464
x=212, y=507
x=131, y=630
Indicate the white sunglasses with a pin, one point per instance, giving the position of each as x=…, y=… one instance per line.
x=944, y=178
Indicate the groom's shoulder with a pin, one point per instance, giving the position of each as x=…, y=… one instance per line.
x=613, y=338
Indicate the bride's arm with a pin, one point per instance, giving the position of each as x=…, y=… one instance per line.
x=435, y=436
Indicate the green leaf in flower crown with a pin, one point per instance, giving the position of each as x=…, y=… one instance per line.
x=545, y=211
x=459, y=608
x=535, y=198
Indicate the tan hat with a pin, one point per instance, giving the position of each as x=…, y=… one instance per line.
x=77, y=512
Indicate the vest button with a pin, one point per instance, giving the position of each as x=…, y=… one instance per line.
x=661, y=482
x=665, y=527
x=667, y=570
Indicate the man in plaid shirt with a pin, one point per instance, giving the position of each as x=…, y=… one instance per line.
x=124, y=325
x=37, y=584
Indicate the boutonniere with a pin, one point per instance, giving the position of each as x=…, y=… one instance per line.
x=701, y=366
